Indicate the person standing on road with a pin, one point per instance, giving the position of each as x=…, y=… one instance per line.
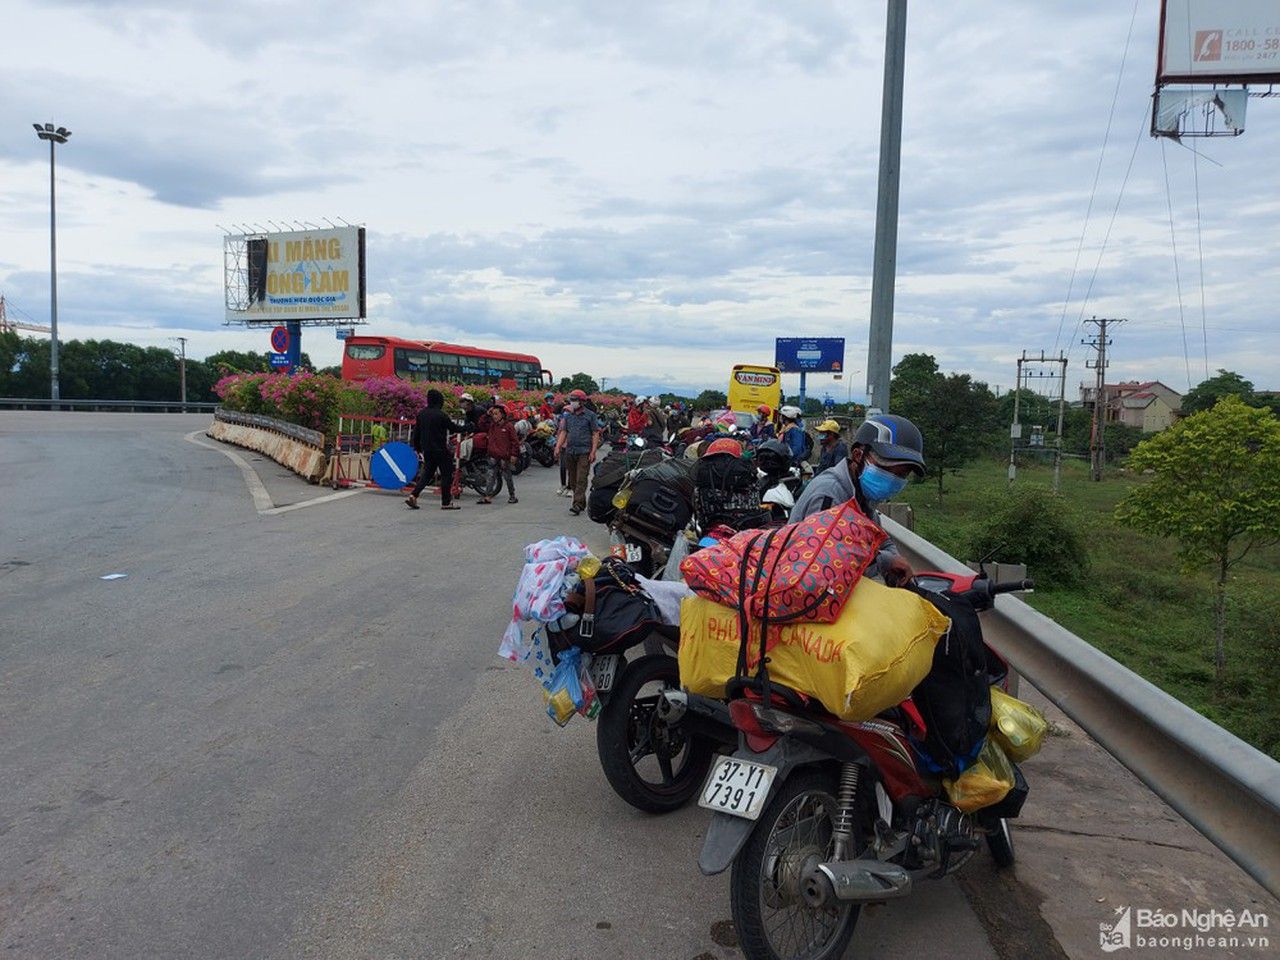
x=503, y=447
x=578, y=442
x=833, y=449
x=430, y=437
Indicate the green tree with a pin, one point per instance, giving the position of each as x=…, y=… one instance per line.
x=711, y=400
x=579, y=381
x=1208, y=392
x=955, y=414
x=1215, y=488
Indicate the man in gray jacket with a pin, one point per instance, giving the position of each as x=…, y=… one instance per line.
x=886, y=451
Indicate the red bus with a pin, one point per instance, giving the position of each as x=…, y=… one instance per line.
x=366, y=357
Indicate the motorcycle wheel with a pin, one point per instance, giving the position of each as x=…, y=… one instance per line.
x=486, y=480
x=544, y=455
x=522, y=460
x=653, y=767
x=770, y=915
x=1000, y=843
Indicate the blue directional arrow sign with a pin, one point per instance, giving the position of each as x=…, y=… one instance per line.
x=393, y=465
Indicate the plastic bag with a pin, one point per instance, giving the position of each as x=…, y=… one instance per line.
x=986, y=782
x=1018, y=727
x=569, y=689
x=540, y=593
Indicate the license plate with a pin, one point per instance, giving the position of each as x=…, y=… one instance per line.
x=603, y=669
x=737, y=787
x=635, y=553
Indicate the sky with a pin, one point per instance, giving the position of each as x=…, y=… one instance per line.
x=649, y=193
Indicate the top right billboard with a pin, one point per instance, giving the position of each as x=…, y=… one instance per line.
x=1219, y=41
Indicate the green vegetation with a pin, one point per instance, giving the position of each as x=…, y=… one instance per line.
x=1136, y=602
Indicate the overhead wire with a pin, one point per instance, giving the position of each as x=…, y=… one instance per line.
x=1097, y=174
x=1177, y=276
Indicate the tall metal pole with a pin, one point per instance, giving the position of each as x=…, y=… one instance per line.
x=884, y=266
x=54, y=391
x=1015, y=431
x=182, y=368
x=1062, y=406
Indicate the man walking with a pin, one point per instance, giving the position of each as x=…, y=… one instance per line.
x=578, y=441
x=503, y=447
x=430, y=437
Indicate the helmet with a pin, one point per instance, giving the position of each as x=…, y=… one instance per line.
x=578, y=395
x=790, y=413
x=723, y=445
x=764, y=410
x=828, y=426
x=893, y=438
x=641, y=398
x=548, y=395
x=467, y=396
x=773, y=457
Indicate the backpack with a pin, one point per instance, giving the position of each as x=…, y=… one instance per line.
x=954, y=698
x=808, y=446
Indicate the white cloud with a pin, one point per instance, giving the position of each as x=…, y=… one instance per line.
x=642, y=191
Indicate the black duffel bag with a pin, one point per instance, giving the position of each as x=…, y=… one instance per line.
x=615, y=612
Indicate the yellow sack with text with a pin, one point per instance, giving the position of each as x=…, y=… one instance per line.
x=1018, y=727
x=984, y=783
x=868, y=660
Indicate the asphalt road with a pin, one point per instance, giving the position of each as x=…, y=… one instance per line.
x=289, y=735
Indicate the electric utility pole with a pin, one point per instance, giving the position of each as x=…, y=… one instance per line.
x=1015, y=431
x=1097, y=441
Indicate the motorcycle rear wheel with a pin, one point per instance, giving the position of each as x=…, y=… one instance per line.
x=770, y=915
x=486, y=480
x=1000, y=843
x=632, y=741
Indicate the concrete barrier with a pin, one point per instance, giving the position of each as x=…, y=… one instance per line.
x=302, y=458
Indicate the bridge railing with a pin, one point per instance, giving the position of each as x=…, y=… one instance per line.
x=1225, y=788
x=119, y=406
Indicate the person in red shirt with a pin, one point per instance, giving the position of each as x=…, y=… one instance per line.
x=637, y=419
x=504, y=445
x=547, y=411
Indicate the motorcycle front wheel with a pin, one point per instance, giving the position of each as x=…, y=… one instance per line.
x=794, y=833
x=652, y=766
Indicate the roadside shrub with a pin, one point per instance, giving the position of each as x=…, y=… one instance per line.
x=1032, y=525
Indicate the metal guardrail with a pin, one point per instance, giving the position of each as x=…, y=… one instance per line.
x=313, y=438
x=119, y=406
x=1225, y=788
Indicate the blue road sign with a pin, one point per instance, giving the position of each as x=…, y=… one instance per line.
x=393, y=465
x=828, y=403
x=280, y=339
x=342, y=333
x=280, y=360
x=809, y=354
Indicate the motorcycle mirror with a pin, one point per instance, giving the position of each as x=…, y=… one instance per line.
x=982, y=563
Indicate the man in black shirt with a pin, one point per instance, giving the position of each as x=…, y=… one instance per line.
x=430, y=437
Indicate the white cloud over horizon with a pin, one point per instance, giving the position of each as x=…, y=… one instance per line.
x=650, y=193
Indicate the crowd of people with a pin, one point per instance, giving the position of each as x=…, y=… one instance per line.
x=884, y=452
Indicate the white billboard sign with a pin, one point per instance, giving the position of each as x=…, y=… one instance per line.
x=296, y=275
x=1219, y=41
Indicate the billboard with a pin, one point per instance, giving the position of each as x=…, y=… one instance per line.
x=311, y=275
x=1219, y=41
x=809, y=354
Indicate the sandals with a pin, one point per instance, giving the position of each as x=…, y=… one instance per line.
x=512, y=500
x=484, y=500
x=412, y=503
x=450, y=506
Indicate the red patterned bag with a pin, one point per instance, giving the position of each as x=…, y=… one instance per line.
x=803, y=571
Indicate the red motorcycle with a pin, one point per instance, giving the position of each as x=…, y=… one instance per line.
x=818, y=816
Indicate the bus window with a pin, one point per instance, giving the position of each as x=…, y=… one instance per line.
x=413, y=364
x=496, y=364
x=365, y=351
x=444, y=359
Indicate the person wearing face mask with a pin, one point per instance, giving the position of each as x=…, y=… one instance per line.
x=578, y=442
x=886, y=451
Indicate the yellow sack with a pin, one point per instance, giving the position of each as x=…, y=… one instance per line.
x=1018, y=727
x=984, y=783
x=870, y=659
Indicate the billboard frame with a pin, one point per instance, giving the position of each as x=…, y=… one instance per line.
x=1225, y=78
x=243, y=271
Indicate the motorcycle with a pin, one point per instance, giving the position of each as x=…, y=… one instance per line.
x=542, y=444
x=817, y=817
x=475, y=469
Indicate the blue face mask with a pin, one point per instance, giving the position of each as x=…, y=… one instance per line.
x=878, y=484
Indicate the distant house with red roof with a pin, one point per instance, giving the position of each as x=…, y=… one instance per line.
x=1148, y=405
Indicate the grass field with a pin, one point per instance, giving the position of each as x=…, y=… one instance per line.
x=1135, y=603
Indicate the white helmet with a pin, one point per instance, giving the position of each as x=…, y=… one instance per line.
x=641, y=399
x=467, y=396
x=790, y=413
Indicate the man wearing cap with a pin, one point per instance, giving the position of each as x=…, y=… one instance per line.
x=578, y=442
x=472, y=414
x=887, y=450
x=833, y=450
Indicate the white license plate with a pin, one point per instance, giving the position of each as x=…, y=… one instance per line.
x=603, y=670
x=635, y=553
x=737, y=787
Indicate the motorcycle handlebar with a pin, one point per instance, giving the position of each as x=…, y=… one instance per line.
x=1012, y=586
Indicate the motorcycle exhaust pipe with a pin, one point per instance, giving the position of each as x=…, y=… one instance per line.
x=672, y=705
x=855, y=881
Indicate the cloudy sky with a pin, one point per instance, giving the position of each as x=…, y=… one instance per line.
x=649, y=192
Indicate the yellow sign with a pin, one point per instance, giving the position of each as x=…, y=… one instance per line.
x=299, y=275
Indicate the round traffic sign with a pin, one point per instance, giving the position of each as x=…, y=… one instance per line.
x=393, y=465
x=280, y=339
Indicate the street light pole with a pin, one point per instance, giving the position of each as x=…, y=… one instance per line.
x=182, y=367
x=54, y=136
